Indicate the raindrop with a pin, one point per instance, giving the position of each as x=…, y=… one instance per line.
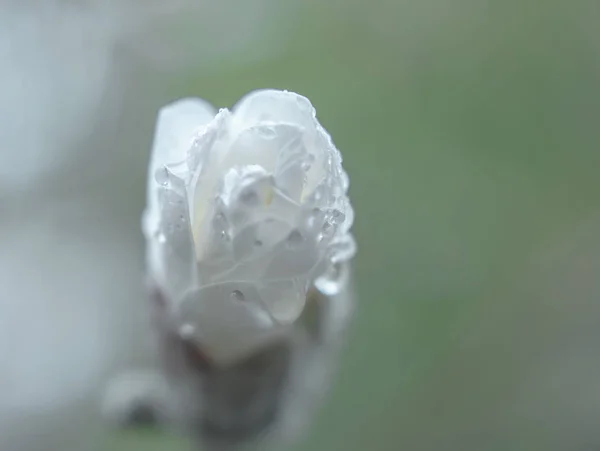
x=327, y=231
x=343, y=249
x=338, y=217
x=312, y=219
x=295, y=239
x=237, y=295
x=303, y=104
x=186, y=331
x=345, y=181
x=267, y=131
x=332, y=282
x=249, y=197
x=162, y=176
x=220, y=226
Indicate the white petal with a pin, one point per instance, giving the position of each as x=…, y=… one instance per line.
x=259, y=238
x=284, y=299
x=273, y=106
x=262, y=145
x=293, y=258
x=227, y=320
x=269, y=107
x=175, y=127
x=172, y=257
x=203, y=161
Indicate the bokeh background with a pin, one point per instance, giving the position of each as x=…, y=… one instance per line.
x=471, y=133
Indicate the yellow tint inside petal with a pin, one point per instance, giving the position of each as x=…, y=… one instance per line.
x=270, y=196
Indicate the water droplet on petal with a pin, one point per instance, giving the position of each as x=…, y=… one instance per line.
x=338, y=217
x=186, y=331
x=162, y=176
x=249, y=197
x=267, y=132
x=237, y=295
x=345, y=181
x=327, y=231
x=305, y=166
x=303, y=104
x=313, y=218
x=295, y=239
x=161, y=238
x=331, y=283
x=220, y=226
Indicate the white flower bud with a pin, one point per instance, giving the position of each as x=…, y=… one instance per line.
x=247, y=210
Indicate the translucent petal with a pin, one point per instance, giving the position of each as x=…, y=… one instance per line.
x=227, y=320
x=171, y=252
x=259, y=238
x=273, y=106
x=293, y=259
x=284, y=300
x=261, y=145
x=175, y=127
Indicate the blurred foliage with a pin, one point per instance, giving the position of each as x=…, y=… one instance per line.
x=470, y=133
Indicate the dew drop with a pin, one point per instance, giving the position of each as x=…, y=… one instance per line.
x=327, y=231
x=220, y=226
x=295, y=239
x=345, y=181
x=303, y=104
x=331, y=283
x=266, y=131
x=338, y=217
x=237, y=295
x=312, y=219
x=186, y=331
x=162, y=176
x=249, y=197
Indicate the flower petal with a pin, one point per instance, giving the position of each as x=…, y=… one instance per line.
x=261, y=145
x=278, y=107
x=175, y=127
x=227, y=320
x=284, y=299
x=171, y=255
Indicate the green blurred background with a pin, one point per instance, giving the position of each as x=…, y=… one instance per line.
x=470, y=130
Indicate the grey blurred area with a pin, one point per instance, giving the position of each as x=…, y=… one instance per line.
x=470, y=133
